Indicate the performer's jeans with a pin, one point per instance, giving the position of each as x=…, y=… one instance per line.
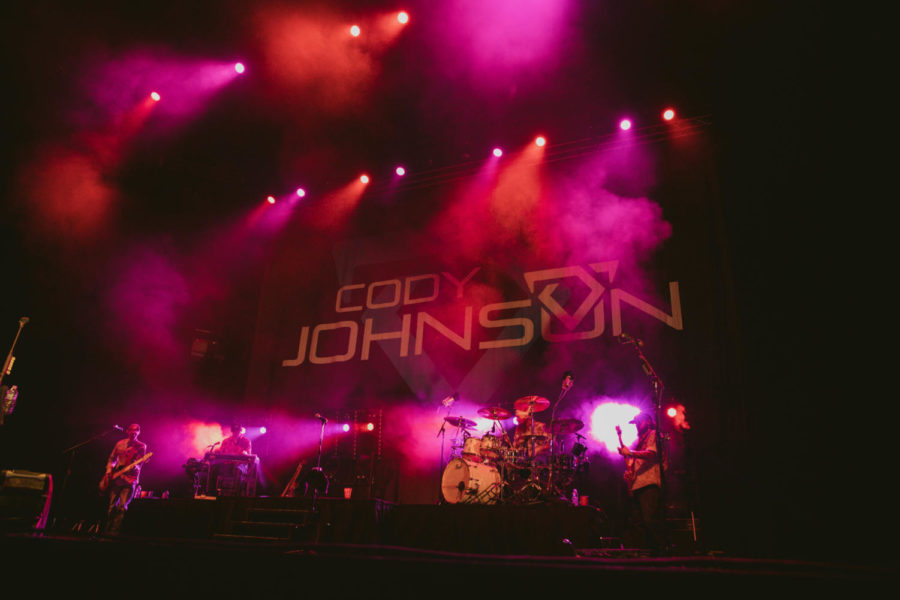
x=119, y=497
x=645, y=515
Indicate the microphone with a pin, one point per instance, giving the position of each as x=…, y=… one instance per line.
x=23, y=320
x=117, y=427
x=624, y=338
x=321, y=418
x=568, y=380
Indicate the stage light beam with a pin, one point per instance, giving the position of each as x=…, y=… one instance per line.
x=625, y=124
x=155, y=96
x=239, y=68
x=301, y=192
x=270, y=199
x=400, y=171
x=403, y=17
x=668, y=114
x=540, y=141
x=364, y=178
x=498, y=152
x=355, y=31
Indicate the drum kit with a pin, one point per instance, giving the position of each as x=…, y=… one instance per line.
x=492, y=469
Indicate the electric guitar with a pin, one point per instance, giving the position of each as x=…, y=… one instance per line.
x=110, y=477
x=629, y=462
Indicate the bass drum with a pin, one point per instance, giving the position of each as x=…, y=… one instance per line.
x=467, y=481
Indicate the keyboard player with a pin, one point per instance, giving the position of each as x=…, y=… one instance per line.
x=231, y=476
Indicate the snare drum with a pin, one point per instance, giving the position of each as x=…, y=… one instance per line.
x=491, y=445
x=468, y=481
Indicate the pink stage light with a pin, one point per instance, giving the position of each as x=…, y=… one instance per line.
x=625, y=124
x=156, y=97
x=672, y=412
x=239, y=68
x=262, y=430
x=668, y=114
x=355, y=31
x=364, y=178
x=370, y=427
x=403, y=17
x=270, y=199
x=345, y=427
x=541, y=141
x=498, y=152
x=400, y=171
x=301, y=192
x=604, y=419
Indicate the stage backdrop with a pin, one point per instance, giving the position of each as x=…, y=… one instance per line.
x=490, y=282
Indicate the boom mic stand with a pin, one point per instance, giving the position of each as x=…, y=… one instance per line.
x=566, y=386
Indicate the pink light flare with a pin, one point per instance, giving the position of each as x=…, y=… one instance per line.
x=604, y=419
x=301, y=192
x=270, y=199
x=672, y=412
x=403, y=17
x=668, y=114
x=400, y=171
x=370, y=427
x=625, y=124
x=262, y=430
x=345, y=427
x=155, y=96
x=497, y=152
x=364, y=178
x=239, y=68
x=355, y=31
x=540, y=141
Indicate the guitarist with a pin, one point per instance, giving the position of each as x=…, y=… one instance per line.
x=121, y=489
x=642, y=478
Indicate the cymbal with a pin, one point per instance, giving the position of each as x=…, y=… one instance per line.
x=495, y=413
x=538, y=403
x=565, y=426
x=461, y=422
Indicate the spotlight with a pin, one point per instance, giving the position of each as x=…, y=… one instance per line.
x=301, y=192
x=345, y=427
x=239, y=68
x=625, y=124
x=403, y=17
x=364, y=178
x=541, y=141
x=498, y=152
x=400, y=171
x=156, y=97
x=355, y=31
x=668, y=114
x=262, y=430
x=370, y=427
x=672, y=412
x=270, y=199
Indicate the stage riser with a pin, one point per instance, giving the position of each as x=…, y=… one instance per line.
x=479, y=529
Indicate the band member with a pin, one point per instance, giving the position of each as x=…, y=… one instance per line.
x=236, y=443
x=121, y=488
x=523, y=431
x=642, y=478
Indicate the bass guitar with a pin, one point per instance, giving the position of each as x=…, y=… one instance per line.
x=110, y=477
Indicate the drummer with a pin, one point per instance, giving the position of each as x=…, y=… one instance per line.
x=521, y=439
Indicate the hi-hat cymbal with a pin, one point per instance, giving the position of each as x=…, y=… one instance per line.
x=534, y=403
x=461, y=422
x=565, y=426
x=494, y=413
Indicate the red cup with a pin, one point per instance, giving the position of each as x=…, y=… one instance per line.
x=347, y=492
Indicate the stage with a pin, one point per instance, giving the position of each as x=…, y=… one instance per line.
x=373, y=547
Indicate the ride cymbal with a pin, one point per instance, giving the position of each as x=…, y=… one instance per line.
x=533, y=403
x=565, y=426
x=461, y=422
x=495, y=413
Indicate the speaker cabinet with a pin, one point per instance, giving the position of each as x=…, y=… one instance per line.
x=24, y=501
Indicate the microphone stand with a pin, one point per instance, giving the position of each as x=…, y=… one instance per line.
x=7, y=364
x=658, y=389
x=70, y=452
x=318, y=468
x=562, y=394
